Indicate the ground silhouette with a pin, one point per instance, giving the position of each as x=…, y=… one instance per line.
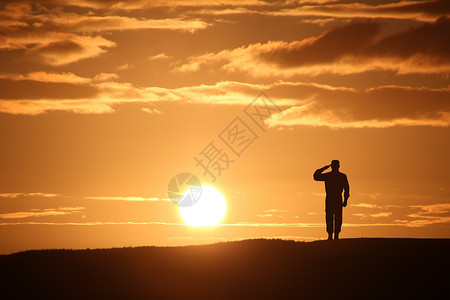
x=250, y=269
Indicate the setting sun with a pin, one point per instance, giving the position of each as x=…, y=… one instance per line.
x=209, y=210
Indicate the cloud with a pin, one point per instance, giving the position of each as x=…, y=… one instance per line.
x=90, y=223
x=36, y=107
x=139, y=199
x=60, y=38
x=424, y=11
x=100, y=97
x=396, y=223
x=151, y=111
x=305, y=225
x=159, y=56
x=265, y=215
x=277, y=211
x=46, y=86
x=430, y=214
x=426, y=215
x=124, y=67
x=15, y=11
x=376, y=215
x=379, y=107
x=356, y=47
x=60, y=49
x=145, y=4
x=366, y=205
x=318, y=21
x=360, y=215
x=304, y=104
x=16, y=195
x=77, y=23
x=61, y=211
x=66, y=77
x=381, y=214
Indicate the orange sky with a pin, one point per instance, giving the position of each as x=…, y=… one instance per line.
x=103, y=102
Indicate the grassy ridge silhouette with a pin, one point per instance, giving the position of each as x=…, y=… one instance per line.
x=249, y=269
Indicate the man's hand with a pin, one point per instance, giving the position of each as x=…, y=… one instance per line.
x=326, y=167
x=344, y=204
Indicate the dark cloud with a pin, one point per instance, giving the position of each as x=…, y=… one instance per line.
x=28, y=89
x=361, y=42
x=58, y=48
x=376, y=107
x=356, y=47
x=352, y=39
x=61, y=37
x=430, y=42
x=433, y=8
x=425, y=11
x=15, y=11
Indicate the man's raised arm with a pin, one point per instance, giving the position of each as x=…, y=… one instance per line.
x=318, y=176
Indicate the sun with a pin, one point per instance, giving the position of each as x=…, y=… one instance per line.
x=208, y=210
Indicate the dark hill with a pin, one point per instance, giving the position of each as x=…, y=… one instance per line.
x=251, y=269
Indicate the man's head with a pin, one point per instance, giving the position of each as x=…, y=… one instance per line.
x=335, y=165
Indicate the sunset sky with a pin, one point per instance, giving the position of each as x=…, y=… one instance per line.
x=103, y=102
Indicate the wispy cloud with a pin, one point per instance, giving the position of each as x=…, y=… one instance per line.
x=66, y=77
x=159, y=56
x=425, y=11
x=303, y=225
x=395, y=223
x=151, y=111
x=265, y=215
x=172, y=4
x=278, y=213
x=115, y=198
x=274, y=210
x=16, y=195
x=90, y=223
x=366, y=205
x=423, y=215
x=381, y=214
x=430, y=214
x=124, y=67
x=61, y=211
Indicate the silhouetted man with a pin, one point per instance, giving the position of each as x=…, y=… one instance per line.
x=335, y=183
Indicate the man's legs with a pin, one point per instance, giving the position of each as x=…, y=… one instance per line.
x=338, y=222
x=329, y=218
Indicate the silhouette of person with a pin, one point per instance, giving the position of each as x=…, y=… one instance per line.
x=335, y=183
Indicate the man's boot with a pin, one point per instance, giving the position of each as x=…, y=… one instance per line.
x=336, y=236
x=330, y=236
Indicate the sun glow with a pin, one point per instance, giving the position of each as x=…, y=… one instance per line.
x=208, y=210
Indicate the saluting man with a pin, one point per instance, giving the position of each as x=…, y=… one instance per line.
x=335, y=183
